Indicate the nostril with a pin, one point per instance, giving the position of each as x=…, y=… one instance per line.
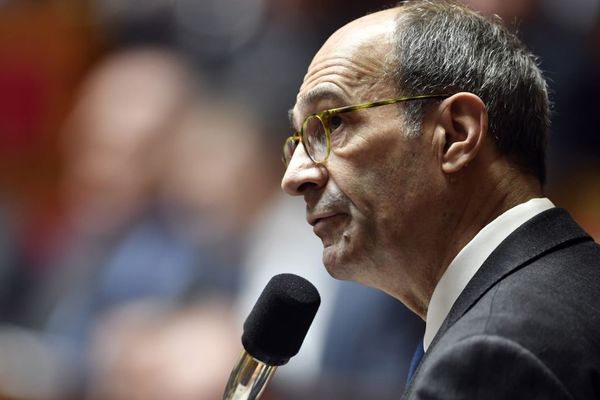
x=305, y=186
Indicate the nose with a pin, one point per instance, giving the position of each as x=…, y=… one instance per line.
x=302, y=173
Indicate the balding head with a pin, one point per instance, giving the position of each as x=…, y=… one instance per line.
x=366, y=41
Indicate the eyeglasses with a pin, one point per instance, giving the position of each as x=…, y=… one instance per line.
x=315, y=133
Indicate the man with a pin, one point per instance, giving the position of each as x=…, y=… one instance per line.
x=435, y=197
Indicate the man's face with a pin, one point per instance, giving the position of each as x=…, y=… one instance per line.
x=366, y=201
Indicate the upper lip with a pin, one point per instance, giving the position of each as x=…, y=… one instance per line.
x=313, y=218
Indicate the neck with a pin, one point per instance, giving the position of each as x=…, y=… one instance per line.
x=476, y=204
x=481, y=208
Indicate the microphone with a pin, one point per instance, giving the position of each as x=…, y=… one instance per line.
x=273, y=333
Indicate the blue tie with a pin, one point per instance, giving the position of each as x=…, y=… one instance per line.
x=414, y=363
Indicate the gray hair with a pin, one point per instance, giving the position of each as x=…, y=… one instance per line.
x=443, y=47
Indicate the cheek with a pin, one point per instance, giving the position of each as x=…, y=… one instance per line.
x=378, y=183
x=392, y=194
x=388, y=178
x=366, y=202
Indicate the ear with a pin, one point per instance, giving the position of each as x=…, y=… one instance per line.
x=462, y=127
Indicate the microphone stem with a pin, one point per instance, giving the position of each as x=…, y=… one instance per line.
x=249, y=379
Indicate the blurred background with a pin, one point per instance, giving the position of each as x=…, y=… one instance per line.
x=140, y=209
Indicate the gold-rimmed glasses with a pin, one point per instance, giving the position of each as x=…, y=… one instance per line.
x=315, y=132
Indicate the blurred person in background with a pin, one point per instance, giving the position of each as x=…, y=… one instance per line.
x=140, y=351
x=210, y=200
x=111, y=143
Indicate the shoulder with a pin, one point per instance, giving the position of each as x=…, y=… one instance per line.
x=555, y=293
x=558, y=290
x=485, y=367
x=533, y=334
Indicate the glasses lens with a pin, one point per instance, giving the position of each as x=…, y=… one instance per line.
x=315, y=139
x=288, y=149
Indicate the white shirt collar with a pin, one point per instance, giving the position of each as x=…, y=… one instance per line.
x=471, y=257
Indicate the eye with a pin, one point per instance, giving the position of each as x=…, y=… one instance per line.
x=334, y=122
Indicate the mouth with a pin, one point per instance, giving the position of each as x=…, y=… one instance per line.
x=314, y=220
x=325, y=226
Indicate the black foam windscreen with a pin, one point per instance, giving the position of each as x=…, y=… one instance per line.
x=279, y=321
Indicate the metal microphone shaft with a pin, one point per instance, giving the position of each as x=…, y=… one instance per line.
x=248, y=379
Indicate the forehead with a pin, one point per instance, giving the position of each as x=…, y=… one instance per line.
x=349, y=66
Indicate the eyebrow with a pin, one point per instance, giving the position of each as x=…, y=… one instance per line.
x=314, y=96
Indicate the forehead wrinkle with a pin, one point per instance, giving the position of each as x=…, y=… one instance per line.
x=320, y=93
x=363, y=65
x=351, y=73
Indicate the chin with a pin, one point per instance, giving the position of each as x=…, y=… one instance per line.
x=341, y=265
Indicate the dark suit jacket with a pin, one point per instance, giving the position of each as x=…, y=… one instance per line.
x=527, y=326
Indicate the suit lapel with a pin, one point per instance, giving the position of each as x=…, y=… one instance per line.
x=538, y=236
